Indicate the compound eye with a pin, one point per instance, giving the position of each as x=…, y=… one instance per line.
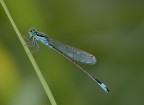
x=32, y=30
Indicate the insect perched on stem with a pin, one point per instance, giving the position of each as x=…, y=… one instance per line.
x=71, y=53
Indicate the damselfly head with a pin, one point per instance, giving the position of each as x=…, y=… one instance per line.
x=32, y=32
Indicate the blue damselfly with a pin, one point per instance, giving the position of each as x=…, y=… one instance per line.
x=71, y=53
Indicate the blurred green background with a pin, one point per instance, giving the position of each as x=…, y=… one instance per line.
x=111, y=30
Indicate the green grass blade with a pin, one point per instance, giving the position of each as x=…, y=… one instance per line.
x=36, y=68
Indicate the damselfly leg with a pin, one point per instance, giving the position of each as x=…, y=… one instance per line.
x=33, y=43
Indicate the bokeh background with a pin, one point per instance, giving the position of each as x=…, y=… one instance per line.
x=112, y=30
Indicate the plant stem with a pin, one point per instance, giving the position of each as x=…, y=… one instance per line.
x=36, y=68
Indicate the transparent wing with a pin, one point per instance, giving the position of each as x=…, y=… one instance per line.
x=73, y=53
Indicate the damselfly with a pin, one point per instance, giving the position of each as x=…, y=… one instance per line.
x=71, y=53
